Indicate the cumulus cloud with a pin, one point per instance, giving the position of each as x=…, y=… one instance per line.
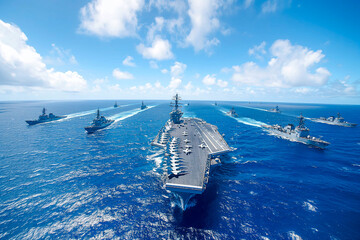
x=176, y=72
x=204, y=21
x=21, y=65
x=122, y=75
x=209, y=80
x=159, y=50
x=290, y=66
x=107, y=18
x=177, y=69
x=129, y=61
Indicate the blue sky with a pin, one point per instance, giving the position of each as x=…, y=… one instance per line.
x=245, y=50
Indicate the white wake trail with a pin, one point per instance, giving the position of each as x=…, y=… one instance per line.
x=124, y=115
x=80, y=114
x=245, y=120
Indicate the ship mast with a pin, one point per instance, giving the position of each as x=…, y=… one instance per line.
x=301, y=121
x=176, y=113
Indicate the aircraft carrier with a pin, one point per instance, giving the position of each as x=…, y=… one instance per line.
x=191, y=147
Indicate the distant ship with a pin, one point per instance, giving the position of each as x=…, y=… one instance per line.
x=116, y=105
x=299, y=133
x=339, y=121
x=43, y=118
x=99, y=122
x=215, y=103
x=191, y=146
x=275, y=110
x=232, y=112
x=143, y=106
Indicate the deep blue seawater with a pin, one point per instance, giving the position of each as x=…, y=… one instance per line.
x=57, y=182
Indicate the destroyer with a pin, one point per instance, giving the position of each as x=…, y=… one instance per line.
x=192, y=146
x=339, y=121
x=299, y=133
x=232, y=112
x=99, y=122
x=43, y=118
x=143, y=106
x=275, y=110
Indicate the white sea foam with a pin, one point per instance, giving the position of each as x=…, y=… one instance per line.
x=84, y=113
x=309, y=205
x=245, y=120
x=260, y=109
x=189, y=114
x=250, y=122
x=124, y=115
x=294, y=236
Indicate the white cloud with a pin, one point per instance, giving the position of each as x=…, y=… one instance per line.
x=222, y=83
x=122, y=75
x=290, y=66
x=159, y=50
x=209, y=80
x=203, y=16
x=177, y=69
x=258, y=50
x=174, y=83
x=107, y=18
x=128, y=61
x=164, y=71
x=269, y=6
x=21, y=65
x=154, y=28
x=189, y=86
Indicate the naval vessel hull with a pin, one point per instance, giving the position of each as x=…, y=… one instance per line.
x=292, y=137
x=197, y=144
x=34, y=122
x=343, y=124
x=92, y=129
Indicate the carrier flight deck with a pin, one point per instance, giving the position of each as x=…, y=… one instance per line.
x=191, y=145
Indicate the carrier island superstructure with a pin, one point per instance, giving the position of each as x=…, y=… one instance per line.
x=191, y=147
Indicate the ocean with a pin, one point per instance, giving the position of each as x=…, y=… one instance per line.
x=57, y=182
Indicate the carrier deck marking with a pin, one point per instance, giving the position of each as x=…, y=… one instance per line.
x=195, y=165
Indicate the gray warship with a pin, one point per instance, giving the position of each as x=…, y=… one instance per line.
x=339, y=121
x=116, y=105
x=232, y=112
x=275, y=110
x=191, y=146
x=299, y=133
x=143, y=106
x=43, y=118
x=99, y=122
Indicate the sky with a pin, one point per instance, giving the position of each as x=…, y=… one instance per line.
x=225, y=50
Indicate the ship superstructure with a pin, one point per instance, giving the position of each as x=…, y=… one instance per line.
x=275, y=110
x=143, y=106
x=299, y=133
x=98, y=123
x=43, y=118
x=191, y=147
x=338, y=120
x=232, y=112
